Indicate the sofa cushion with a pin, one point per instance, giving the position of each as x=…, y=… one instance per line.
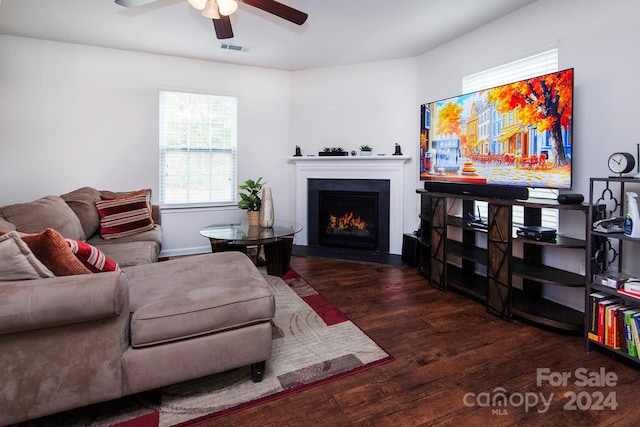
x=127, y=254
x=54, y=252
x=153, y=235
x=82, y=202
x=47, y=212
x=17, y=262
x=122, y=217
x=92, y=257
x=194, y=296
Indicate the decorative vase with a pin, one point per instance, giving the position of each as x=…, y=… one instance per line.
x=266, y=212
x=254, y=218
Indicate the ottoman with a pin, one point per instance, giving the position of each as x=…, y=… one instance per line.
x=196, y=316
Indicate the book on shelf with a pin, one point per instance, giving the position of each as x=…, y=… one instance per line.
x=632, y=285
x=634, y=332
x=630, y=289
x=621, y=330
x=594, y=299
x=603, y=319
x=623, y=291
x=618, y=341
x=610, y=336
x=630, y=343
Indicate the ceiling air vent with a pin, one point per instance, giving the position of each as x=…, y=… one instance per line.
x=235, y=47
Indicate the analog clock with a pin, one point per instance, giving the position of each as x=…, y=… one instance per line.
x=621, y=162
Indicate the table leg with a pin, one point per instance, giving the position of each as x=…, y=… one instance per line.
x=278, y=255
x=218, y=245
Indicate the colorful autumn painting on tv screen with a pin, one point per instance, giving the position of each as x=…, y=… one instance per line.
x=515, y=134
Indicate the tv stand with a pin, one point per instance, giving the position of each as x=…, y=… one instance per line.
x=455, y=264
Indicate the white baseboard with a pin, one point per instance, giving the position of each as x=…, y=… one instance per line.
x=184, y=251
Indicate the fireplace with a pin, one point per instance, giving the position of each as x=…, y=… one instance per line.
x=349, y=213
x=386, y=168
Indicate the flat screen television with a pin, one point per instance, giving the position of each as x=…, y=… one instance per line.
x=517, y=134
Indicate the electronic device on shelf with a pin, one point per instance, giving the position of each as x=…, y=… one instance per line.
x=535, y=232
x=477, y=222
x=609, y=225
x=487, y=143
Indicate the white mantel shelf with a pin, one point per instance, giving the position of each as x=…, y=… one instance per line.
x=347, y=158
x=353, y=167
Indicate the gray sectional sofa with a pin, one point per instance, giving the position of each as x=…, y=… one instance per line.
x=75, y=340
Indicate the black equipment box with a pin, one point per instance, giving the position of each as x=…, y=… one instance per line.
x=535, y=232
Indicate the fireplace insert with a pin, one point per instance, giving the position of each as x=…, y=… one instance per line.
x=349, y=213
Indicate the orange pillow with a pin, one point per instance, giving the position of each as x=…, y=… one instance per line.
x=52, y=250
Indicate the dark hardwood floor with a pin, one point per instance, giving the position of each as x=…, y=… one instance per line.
x=449, y=356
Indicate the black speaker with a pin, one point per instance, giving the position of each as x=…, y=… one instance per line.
x=570, y=199
x=508, y=192
x=410, y=250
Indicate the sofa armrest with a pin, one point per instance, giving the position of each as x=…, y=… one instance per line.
x=44, y=303
x=156, y=214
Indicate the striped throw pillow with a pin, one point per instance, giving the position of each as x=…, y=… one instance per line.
x=124, y=216
x=92, y=257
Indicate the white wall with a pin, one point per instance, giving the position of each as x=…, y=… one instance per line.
x=600, y=40
x=349, y=106
x=74, y=115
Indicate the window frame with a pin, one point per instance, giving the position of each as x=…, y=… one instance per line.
x=232, y=149
x=525, y=67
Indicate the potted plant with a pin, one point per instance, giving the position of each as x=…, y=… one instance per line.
x=365, y=150
x=250, y=199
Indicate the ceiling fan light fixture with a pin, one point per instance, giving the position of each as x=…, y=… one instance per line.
x=211, y=10
x=227, y=7
x=198, y=4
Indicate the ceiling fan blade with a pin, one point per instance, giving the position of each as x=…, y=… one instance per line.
x=279, y=9
x=133, y=3
x=223, y=27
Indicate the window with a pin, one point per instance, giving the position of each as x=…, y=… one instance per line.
x=198, y=139
x=531, y=66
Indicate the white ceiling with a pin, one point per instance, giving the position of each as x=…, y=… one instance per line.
x=338, y=32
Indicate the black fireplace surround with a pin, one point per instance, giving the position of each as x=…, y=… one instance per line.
x=367, y=199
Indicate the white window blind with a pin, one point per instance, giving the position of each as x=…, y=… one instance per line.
x=198, y=142
x=531, y=66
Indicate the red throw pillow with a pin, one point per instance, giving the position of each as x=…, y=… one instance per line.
x=124, y=216
x=92, y=257
x=52, y=250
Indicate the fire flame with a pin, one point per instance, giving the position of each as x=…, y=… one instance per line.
x=347, y=221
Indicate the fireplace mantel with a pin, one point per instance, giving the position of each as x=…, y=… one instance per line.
x=353, y=167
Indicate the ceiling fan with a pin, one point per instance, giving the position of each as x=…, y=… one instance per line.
x=220, y=10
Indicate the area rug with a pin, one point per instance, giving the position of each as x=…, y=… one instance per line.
x=313, y=342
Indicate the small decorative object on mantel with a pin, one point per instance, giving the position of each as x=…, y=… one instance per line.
x=333, y=152
x=298, y=152
x=398, y=151
x=251, y=200
x=266, y=211
x=365, y=150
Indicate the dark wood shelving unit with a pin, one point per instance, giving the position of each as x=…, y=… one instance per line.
x=470, y=253
x=546, y=274
x=548, y=313
x=606, y=200
x=468, y=283
x=495, y=289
